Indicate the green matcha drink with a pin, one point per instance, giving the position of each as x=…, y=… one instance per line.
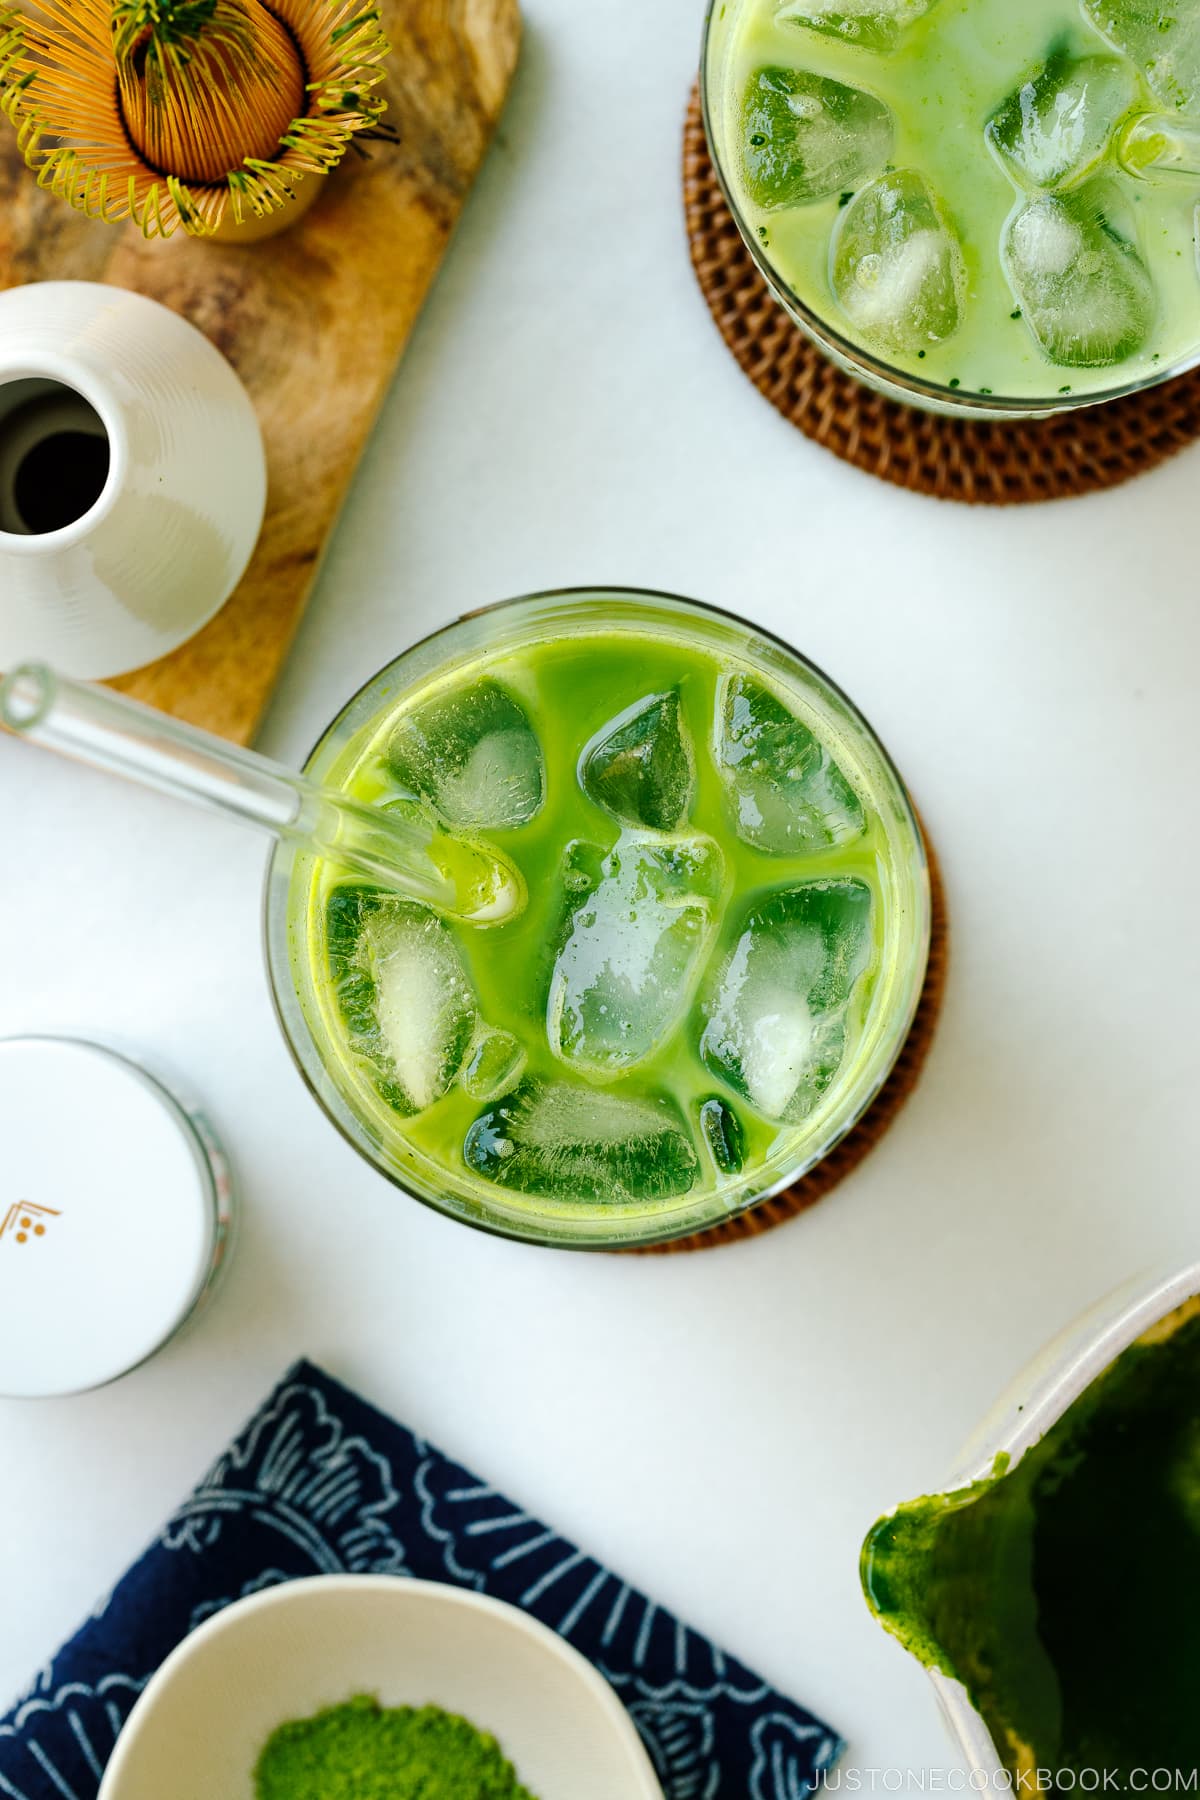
x=1062, y=1593
x=721, y=945
x=971, y=194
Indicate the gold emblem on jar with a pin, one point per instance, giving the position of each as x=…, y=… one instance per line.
x=24, y=1222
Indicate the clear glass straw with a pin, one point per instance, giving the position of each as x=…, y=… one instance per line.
x=395, y=849
x=1152, y=144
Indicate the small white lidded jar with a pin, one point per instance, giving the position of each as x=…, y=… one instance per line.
x=115, y=1215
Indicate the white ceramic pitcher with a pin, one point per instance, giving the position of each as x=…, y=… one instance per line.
x=1035, y=1401
x=132, y=478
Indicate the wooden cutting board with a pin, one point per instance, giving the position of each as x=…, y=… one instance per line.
x=314, y=321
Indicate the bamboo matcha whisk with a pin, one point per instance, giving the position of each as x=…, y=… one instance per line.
x=216, y=115
x=188, y=104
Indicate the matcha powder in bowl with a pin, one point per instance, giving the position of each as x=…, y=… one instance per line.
x=362, y=1751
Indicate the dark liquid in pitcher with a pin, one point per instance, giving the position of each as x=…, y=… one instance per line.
x=54, y=460
x=60, y=479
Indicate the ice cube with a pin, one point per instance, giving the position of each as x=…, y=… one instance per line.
x=805, y=136
x=496, y=1063
x=473, y=756
x=786, y=792
x=565, y=1142
x=1056, y=129
x=1075, y=270
x=1162, y=37
x=724, y=1134
x=777, y=1009
x=876, y=24
x=403, y=994
x=640, y=922
x=898, y=268
x=639, y=766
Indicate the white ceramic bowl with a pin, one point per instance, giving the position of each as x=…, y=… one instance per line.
x=1024, y=1414
x=200, y=1726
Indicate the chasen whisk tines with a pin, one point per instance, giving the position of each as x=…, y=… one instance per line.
x=205, y=114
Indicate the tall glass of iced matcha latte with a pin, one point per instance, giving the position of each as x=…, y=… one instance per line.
x=721, y=941
x=977, y=205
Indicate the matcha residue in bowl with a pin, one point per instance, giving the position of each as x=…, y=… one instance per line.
x=364, y=1751
x=1063, y=1593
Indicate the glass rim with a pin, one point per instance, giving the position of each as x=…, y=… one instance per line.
x=935, y=396
x=603, y=1239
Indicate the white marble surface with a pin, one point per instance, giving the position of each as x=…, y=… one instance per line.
x=723, y=1428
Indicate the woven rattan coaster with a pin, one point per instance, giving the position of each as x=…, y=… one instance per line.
x=952, y=459
x=845, y=1157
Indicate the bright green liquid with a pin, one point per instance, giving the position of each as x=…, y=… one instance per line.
x=950, y=72
x=570, y=687
x=1063, y=1594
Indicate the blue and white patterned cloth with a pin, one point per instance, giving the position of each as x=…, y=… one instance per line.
x=321, y=1483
